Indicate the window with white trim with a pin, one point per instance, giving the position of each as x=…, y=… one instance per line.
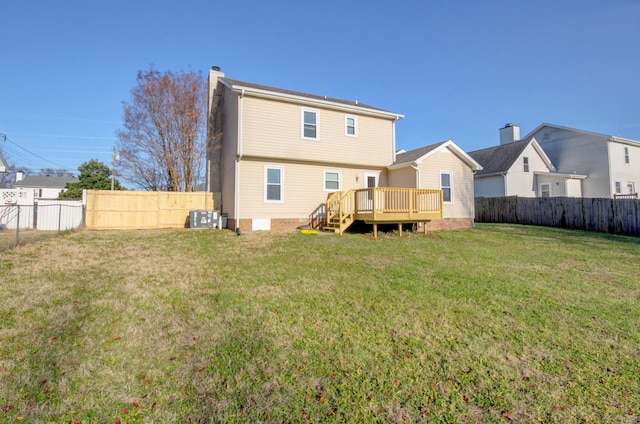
x=446, y=185
x=273, y=187
x=631, y=187
x=351, y=125
x=618, y=187
x=525, y=163
x=626, y=155
x=332, y=180
x=310, y=119
x=545, y=190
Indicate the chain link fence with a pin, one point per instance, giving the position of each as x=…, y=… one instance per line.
x=21, y=224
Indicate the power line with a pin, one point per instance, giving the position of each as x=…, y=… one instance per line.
x=4, y=136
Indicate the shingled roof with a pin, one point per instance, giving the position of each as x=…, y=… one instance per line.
x=37, y=181
x=413, y=155
x=237, y=83
x=499, y=158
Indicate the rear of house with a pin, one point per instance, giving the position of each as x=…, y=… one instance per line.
x=277, y=156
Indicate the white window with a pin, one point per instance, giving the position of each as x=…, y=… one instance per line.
x=618, y=187
x=332, y=180
x=310, y=120
x=446, y=185
x=631, y=187
x=545, y=190
x=626, y=155
x=525, y=163
x=351, y=125
x=273, y=187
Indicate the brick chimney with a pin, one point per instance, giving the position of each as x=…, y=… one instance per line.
x=509, y=133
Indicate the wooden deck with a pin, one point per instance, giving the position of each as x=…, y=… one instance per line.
x=382, y=205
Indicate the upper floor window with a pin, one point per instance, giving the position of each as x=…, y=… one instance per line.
x=332, y=180
x=446, y=185
x=310, y=119
x=351, y=125
x=273, y=184
x=626, y=155
x=525, y=163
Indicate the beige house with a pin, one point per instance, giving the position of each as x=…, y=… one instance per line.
x=277, y=156
x=445, y=166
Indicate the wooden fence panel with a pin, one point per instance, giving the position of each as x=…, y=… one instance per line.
x=108, y=210
x=618, y=216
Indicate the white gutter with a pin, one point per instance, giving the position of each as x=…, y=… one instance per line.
x=238, y=159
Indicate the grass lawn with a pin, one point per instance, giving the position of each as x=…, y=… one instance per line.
x=496, y=324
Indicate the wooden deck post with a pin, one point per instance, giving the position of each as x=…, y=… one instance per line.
x=400, y=228
x=375, y=230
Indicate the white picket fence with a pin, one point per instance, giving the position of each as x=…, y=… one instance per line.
x=18, y=209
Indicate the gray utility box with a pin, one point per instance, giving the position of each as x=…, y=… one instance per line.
x=204, y=219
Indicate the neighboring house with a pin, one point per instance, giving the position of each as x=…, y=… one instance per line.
x=443, y=165
x=43, y=187
x=277, y=156
x=521, y=168
x=3, y=164
x=611, y=163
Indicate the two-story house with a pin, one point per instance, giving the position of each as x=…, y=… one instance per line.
x=611, y=163
x=277, y=156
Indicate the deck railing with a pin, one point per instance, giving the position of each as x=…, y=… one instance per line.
x=625, y=196
x=384, y=204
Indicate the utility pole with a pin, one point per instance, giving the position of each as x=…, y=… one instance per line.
x=114, y=158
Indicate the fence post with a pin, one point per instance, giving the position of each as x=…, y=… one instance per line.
x=59, y=216
x=18, y=226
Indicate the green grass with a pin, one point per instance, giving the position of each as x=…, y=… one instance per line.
x=493, y=324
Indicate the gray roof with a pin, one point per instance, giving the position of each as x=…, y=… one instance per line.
x=413, y=155
x=37, y=181
x=498, y=158
x=300, y=94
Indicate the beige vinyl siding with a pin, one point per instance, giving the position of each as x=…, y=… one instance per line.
x=403, y=177
x=463, y=198
x=272, y=129
x=229, y=151
x=302, y=187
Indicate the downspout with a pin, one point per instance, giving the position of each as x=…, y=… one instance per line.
x=393, y=137
x=504, y=178
x=238, y=159
x=414, y=165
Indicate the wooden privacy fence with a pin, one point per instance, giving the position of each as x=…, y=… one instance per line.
x=618, y=216
x=110, y=210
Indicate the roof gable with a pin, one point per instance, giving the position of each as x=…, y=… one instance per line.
x=417, y=156
x=501, y=158
x=3, y=164
x=604, y=137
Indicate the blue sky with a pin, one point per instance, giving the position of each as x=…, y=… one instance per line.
x=456, y=69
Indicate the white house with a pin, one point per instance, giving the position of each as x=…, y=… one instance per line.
x=611, y=163
x=521, y=168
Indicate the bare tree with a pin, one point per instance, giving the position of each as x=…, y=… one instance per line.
x=50, y=172
x=162, y=145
